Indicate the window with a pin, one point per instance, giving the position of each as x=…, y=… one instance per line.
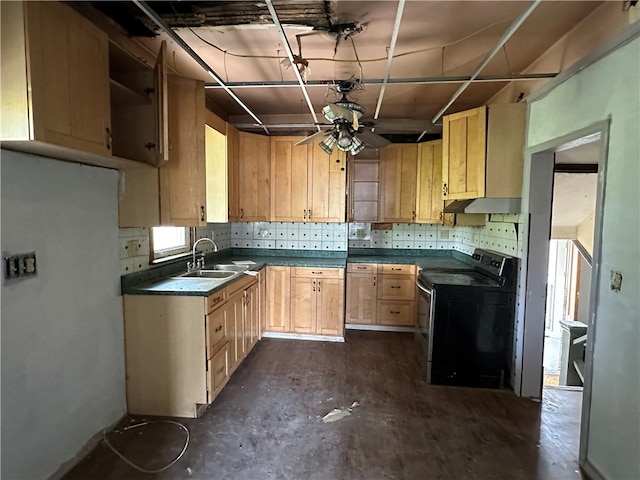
x=168, y=241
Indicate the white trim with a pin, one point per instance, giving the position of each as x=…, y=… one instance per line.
x=301, y=336
x=378, y=328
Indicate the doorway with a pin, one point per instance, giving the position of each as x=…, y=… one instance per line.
x=543, y=163
x=569, y=269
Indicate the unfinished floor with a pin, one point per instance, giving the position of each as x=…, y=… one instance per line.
x=267, y=423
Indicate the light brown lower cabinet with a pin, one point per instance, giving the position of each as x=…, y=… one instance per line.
x=181, y=350
x=380, y=295
x=305, y=300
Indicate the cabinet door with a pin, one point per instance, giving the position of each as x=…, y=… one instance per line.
x=235, y=306
x=279, y=299
x=330, y=306
x=183, y=178
x=69, y=78
x=250, y=317
x=233, y=173
x=262, y=301
x=398, y=171
x=289, y=172
x=255, y=158
x=303, y=304
x=327, y=185
x=464, y=154
x=429, y=203
x=361, y=298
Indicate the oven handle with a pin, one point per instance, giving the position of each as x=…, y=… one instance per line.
x=428, y=292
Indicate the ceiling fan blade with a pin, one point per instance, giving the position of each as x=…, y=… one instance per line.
x=372, y=139
x=312, y=138
x=402, y=124
x=332, y=111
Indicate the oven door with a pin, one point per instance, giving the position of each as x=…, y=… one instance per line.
x=425, y=296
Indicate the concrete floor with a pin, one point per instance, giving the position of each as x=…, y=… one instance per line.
x=267, y=423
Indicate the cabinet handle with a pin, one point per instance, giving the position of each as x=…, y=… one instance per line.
x=316, y=273
x=374, y=281
x=309, y=215
x=242, y=213
x=413, y=215
x=108, y=137
x=202, y=213
x=219, y=372
x=361, y=268
x=394, y=312
x=218, y=328
x=445, y=190
x=394, y=269
x=314, y=285
x=319, y=285
x=395, y=286
x=441, y=216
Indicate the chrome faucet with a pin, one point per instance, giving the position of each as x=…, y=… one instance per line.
x=193, y=264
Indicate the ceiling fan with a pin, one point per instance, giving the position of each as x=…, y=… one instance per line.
x=348, y=133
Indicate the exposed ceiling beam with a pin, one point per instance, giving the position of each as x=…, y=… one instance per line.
x=505, y=37
x=287, y=47
x=390, y=81
x=390, y=52
x=148, y=11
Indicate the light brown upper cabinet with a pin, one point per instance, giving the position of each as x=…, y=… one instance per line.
x=483, y=152
x=252, y=178
x=398, y=171
x=139, y=107
x=215, y=148
x=55, y=78
x=307, y=184
x=429, y=203
x=183, y=177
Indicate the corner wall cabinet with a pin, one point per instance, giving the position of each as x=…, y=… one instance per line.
x=181, y=350
x=483, y=152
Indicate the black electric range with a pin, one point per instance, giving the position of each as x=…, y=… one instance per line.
x=464, y=321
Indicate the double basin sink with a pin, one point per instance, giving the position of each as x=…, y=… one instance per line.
x=218, y=272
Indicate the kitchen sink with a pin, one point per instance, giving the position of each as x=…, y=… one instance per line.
x=219, y=274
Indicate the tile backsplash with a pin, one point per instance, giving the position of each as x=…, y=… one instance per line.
x=290, y=236
x=501, y=233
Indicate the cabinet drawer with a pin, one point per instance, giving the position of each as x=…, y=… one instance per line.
x=218, y=370
x=395, y=313
x=361, y=267
x=395, y=269
x=396, y=287
x=216, y=300
x=307, y=272
x=216, y=330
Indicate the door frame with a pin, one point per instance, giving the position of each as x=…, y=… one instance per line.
x=537, y=209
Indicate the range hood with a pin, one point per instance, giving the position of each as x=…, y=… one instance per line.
x=484, y=205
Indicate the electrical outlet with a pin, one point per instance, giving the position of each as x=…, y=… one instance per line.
x=132, y=248
x=22, y=265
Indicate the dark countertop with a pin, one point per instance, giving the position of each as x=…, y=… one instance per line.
x=162, y=281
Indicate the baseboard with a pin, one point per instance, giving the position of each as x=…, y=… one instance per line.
x=92, y=443
x=591, y=471
x=301, y=336
x=379, y=328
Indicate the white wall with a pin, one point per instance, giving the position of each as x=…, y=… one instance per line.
x=62, y=331
x=609, y=88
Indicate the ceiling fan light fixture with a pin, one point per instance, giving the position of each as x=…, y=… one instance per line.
x=345, y=140
x=328, y=144
x=356, y=146
x=328, y=113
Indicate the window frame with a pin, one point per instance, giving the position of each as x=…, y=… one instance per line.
x=171, y=253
